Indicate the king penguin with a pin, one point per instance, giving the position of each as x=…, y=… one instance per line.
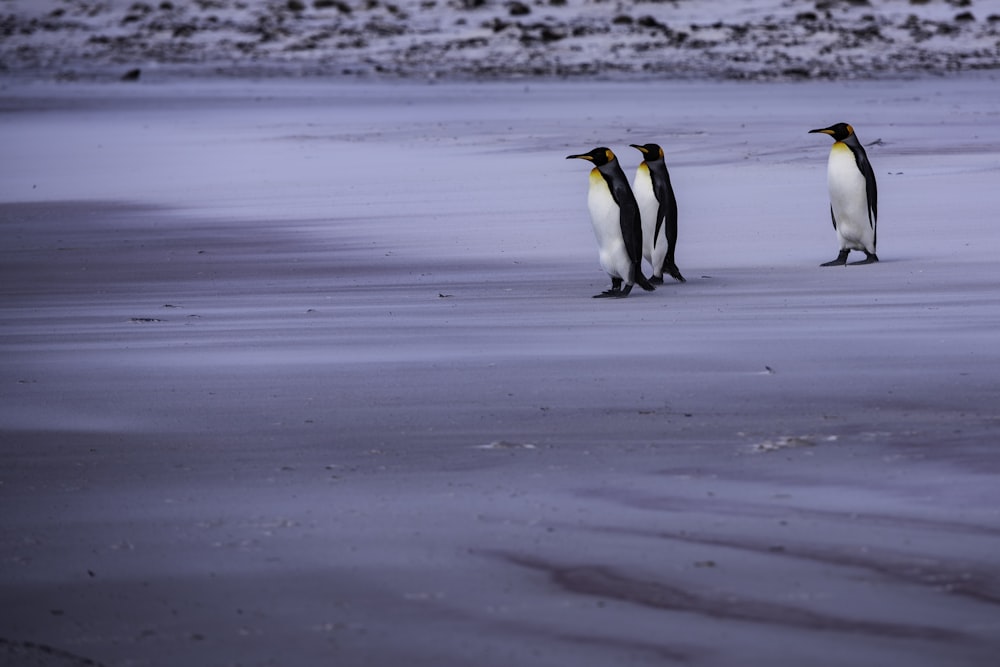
x=853, y=195
x=617, y=224
x=658, y=208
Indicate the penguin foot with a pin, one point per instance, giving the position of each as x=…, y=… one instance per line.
x=612, y=294
x=840, y=261
x=674, y=272
x=656, y=280
x=615, y=292
x=870, y=258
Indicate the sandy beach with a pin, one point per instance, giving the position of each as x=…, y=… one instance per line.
x=309, y=372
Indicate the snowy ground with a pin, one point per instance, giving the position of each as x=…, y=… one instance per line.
x=298, y=373
x=747, y=39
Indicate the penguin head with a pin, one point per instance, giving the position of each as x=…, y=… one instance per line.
x=839, y=132
x=650, y=152
x=600, y=156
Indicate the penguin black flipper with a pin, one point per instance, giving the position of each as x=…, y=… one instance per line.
x=871, y=188
x=668, y=216
x=664, y=196
x=631, y=226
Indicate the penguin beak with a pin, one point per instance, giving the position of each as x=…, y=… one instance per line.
x=639, y=148
x=825, y=130
x=585, y=156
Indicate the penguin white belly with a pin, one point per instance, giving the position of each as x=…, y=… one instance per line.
x=642, y=187
x=605, y=216
x=849, y=200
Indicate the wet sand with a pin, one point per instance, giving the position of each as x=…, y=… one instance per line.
x=301, y=374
